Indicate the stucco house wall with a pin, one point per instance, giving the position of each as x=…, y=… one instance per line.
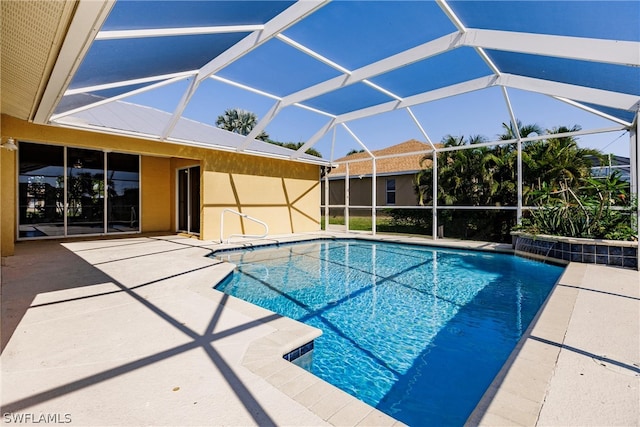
x=283, y=193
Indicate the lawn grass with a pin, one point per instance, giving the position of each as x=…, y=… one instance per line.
x=384, y=224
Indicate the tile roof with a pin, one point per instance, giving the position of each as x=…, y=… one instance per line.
x=396, y=165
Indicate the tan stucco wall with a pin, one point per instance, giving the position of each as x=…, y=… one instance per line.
x=8, y=178
x=282, y=193
x=156, y=194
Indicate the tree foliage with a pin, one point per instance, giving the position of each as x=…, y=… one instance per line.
x=296, y=146
x=556, y=179
x=355, y=151
x=241, y=121
x=487, y=175
x=597, y=208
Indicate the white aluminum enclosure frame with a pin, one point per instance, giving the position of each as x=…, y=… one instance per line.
x=90, y=15
x=635, y=178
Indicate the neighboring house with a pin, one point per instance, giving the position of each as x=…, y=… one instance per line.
x=394, y=177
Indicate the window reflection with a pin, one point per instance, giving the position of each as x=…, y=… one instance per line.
x=85, y=191
x=41, y=190
x=123, y=196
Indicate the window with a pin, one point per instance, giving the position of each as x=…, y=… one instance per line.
x=71, y=191
x=391, y=191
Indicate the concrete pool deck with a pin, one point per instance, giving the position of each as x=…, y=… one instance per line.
x=130, y=332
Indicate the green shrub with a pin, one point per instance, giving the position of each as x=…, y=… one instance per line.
x=598, y=209
x=409, y=217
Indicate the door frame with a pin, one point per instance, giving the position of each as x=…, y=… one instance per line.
x=188, y=200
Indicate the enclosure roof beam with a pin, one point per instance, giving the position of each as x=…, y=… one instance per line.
x=271, y=29
x=261, y=125
x=607, y=51
x=580, y=48
x=426, y=50
x=593, y=111
x=621, y=101
x=358, y=140
x=445, y=92
x=117, y=98
x=419, y=125
x=605, y=98
x=314, y=139
x=512, y=114
x=173, y=32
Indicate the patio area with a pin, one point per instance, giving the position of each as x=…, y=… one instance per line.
x=130, y=332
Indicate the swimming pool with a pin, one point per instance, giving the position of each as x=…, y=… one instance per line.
x=418, y=332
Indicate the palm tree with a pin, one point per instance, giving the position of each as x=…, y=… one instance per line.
x=523, y=130
x=240, y=121
x=423, y=183
x=481, y=175
x=462, y=176
x=453, y=172
x=559, y=160
x=572, y=162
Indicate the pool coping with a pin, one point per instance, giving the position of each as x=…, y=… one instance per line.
x=408, y=240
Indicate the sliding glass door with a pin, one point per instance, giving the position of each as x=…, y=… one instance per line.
x=189, y=200
x=85, y=191
x=66, y=191
x=123, y=192
x=41, y=191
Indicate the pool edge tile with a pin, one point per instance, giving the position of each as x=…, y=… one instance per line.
x=313, y=394
x=331, y=403
x=377, y=419
x=351, y=414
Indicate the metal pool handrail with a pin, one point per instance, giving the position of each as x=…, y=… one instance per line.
x=240, y=214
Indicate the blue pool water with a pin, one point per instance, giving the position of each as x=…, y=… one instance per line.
x=418, y=332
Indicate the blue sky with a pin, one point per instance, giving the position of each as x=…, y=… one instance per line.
x=356, y=33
